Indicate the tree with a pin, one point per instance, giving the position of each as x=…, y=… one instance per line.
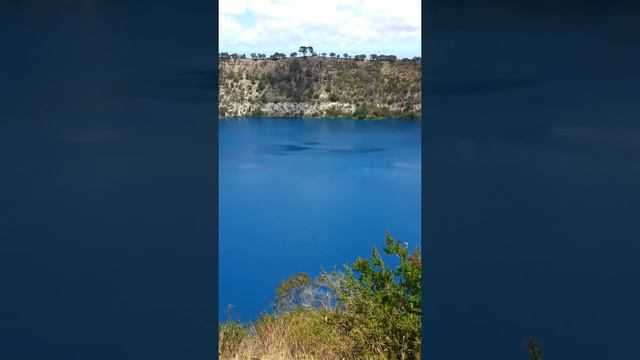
x=389, y=58
x=254, y=56
x=332, y=55
x=299, y=291
x=303, y=50
x=373, y=57
x=324, y=54
x=345, y=55
x=277, y=56
x=310, y=48
x=293, y=54
x=289, y=291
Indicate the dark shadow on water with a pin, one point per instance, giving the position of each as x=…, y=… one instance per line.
x=293, y=148
x=359, y=150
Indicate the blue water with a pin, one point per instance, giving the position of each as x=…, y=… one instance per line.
x=302, y=195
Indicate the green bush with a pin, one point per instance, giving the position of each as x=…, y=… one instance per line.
x=360, y=112
x=261, y=85
x=380, y=307
x=257, y=112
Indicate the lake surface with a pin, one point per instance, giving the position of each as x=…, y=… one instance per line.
x=302, y=195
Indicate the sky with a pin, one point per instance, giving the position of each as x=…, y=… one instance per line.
x=340, y=26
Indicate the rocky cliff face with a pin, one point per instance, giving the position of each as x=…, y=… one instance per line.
x=319, y=87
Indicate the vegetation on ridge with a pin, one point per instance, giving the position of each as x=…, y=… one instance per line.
x=319, y=86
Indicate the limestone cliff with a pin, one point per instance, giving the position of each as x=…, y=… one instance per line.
x=319, y=87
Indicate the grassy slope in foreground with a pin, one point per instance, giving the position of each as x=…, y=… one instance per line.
x=369, y=311
x=319, y=87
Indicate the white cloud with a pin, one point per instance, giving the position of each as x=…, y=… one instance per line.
x=234, y=7
x=321, y=23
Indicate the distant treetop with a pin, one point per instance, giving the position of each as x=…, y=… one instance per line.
x=308, y=50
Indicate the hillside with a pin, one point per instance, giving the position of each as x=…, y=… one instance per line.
x=319, y=87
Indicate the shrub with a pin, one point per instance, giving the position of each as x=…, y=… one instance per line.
x=413, y=115
x=380, y=307
x=257, y=112
x=360, y=112
x=261, y=85
x=335, y=112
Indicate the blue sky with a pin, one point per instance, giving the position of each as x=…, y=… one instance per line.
x=340, y=26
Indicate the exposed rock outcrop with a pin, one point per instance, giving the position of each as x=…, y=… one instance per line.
x=319, y=87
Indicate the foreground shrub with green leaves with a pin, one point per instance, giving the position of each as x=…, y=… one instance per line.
x=367, y=311
x=380, y=307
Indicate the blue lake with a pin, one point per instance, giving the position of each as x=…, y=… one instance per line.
x=302, y=195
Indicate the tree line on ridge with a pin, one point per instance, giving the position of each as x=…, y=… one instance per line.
x=304, y=50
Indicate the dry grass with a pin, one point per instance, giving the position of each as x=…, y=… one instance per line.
x=301, y=334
